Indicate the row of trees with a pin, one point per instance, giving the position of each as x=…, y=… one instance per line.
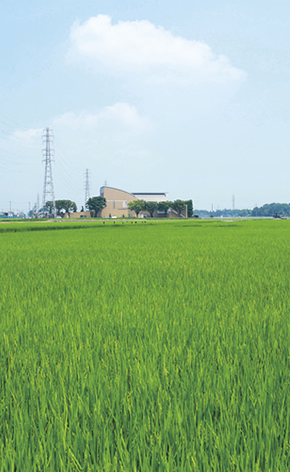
x=151, y=207
x=62, y=206
x=272, y=209
x=269, y=209
x=96, y=204
x=226, y=213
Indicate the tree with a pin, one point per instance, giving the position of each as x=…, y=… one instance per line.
x=164, y=206
x=66, y=205
x=96, y=204
x=48, y=207
x=178, y=206
x=189, y=204
x=270, y=209
x=137, y=206
x=245, y=212
x=151, y=207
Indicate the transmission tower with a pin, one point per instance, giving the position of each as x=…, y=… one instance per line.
x=48, y=189
x=87, y=187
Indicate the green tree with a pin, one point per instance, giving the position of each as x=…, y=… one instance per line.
x=66, y=206
x=48, y=207
x=164, y=206
x=245, y=212
x=271, y=209
x=151, y=207
x=137, y=206
x=178, y=206
x=189, y=204
x=96, y=204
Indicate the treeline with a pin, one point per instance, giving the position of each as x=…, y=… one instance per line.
x=226, y=213
x=272, y=209
x=152, y=208
x=95, y=205
x=61, y=206
x=269, y=209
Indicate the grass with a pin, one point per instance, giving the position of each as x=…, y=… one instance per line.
x=157, y=347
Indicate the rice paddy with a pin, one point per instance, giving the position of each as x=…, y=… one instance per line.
x=145, y=347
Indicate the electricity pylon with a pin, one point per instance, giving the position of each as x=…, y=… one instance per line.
x=87, y=187
x=48, y=189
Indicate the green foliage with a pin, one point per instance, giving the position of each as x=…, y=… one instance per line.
x=151, y=207
x=173, y=359
x=137, y=206
x=49, y=207
x=178, y=206
x=96, y=205
x=65, y=206
x=226, y=212
x=244, y=213
x=164, y=206
x=271, y=209
x=189, y=204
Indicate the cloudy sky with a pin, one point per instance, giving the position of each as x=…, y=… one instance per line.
x=187, y=97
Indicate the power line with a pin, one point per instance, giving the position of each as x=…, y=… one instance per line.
x=67, y=164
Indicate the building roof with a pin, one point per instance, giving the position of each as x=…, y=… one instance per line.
x=148, y=193
x=114, y=188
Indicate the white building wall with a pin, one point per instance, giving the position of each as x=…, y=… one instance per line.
x=151, y=197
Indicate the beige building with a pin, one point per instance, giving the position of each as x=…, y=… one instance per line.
x=117, y=201
x=79, y=214
x=117, y=204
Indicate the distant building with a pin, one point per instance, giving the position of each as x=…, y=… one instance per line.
x=11, y=214
x=117, y=204
x=117, y=201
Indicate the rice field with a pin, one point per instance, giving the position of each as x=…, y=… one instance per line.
x=145, y=347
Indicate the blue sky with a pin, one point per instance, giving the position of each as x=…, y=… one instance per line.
x=186, y=97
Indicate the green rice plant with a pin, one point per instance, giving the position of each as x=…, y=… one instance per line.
x=161, y=346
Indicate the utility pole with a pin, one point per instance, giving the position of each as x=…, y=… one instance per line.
x=87, y=187
x=47, y=153
x=233, y=203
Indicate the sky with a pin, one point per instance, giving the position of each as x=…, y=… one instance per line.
x=189, y=98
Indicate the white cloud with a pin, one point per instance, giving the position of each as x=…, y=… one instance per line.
x=120, y=113
x=28, y=135
x=120, y=121
x=142, y=47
